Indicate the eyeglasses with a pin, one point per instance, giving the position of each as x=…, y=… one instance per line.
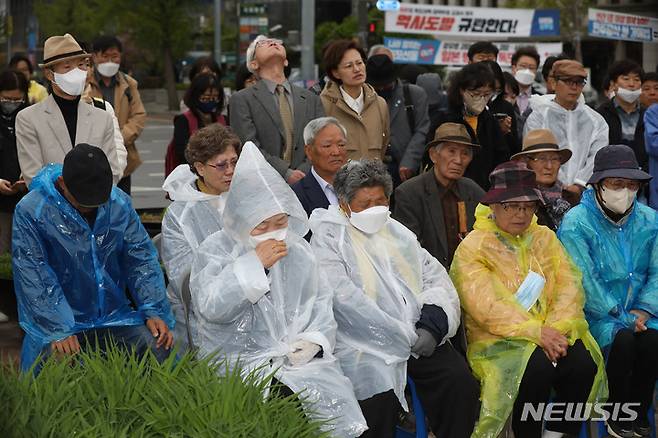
x=479, y=96
x=519, y=207
x=621, y=183
x=3, y=100
x=269, y=42
x=573, y=82
x=526, y=67
x=350, y=65
x=206, y=99
x=223, y=166
x=546, y=160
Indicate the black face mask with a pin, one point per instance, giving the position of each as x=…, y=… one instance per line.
x=386, y=92
x=9, y=108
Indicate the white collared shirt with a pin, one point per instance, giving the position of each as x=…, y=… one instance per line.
x=327, y=188
x=355, y=104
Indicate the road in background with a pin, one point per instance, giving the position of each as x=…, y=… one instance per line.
x=148, y=178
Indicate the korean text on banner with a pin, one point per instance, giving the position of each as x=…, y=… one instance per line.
x=458, y=21
x=626, y=27
x=435, y=52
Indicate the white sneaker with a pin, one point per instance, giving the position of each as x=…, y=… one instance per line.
x=3, y=317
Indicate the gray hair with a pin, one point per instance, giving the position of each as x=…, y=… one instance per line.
x=316, y=125
x=358, y=174
x=251, y=51
x=378, y=49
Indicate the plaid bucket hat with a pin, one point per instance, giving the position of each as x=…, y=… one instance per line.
x=512, y=182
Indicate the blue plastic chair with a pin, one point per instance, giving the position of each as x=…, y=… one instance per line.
x=421, y=427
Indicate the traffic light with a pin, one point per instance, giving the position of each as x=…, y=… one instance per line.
x=373, y=38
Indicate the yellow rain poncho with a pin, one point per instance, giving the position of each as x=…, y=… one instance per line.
x=488, y=268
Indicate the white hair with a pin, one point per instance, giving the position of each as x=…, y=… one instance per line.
x=251, y=51
x=316, y=125
x=378, y=49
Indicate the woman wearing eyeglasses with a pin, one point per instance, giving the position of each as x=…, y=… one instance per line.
x=543, y=156
x=528, y=341
x=353, y=102
x=199, y=194
x=612, y=238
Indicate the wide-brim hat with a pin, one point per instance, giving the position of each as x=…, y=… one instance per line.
x=61, y=48
x=453, y=133
x=542, y=140
x=617, y=161
x=512, y=182
x=380, y=70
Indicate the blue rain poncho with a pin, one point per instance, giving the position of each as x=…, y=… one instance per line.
x=191, y=218
x=70, y=278
x=252, y=315
x=619, y=263
x=380, y=283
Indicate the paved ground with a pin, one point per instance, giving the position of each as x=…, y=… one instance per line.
x=146, y=193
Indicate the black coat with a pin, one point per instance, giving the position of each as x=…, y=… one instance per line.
x=609, y=113
x=9, y=167
x=310, y=193
x=418, y=207
x=493, y=147
x=500, y=105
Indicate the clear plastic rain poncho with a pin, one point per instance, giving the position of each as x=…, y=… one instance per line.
x=191, y=218
x=488, y=268
x=380, y=283
x=582, y=130
x=255, y=316
x=70, y=277
x=619, y=264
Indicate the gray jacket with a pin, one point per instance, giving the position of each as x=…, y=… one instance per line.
x=407, y=146
x=254, y=116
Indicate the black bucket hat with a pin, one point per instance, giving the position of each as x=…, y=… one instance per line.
x=617, y=161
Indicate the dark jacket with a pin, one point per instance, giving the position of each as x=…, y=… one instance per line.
x=407, y=143
x=609, y=113
x=9, y=167
x=501, y=106
x=493, y=147
x=310, y=193
x=255, y=117
x=418, y=207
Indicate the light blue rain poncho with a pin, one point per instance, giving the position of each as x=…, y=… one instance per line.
x=252, y=315
x=70, y=278
x=189, y=220
x=619, y=264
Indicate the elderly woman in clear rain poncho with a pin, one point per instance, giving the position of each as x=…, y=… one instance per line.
x=395, y=307
x=199, y=193
x=523, y=305
x=260, y=298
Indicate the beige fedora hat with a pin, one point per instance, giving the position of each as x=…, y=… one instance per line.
x=61, y=48
x=541, y=140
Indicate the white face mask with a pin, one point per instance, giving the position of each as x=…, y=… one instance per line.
x=618, y=201
x=525, y=76
x=108, y=69
x=72, y=82
x=630, y=96
x=279, y=235
x=370, y=220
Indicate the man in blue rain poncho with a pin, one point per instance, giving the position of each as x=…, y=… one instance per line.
x=259, y=296
x=78, y=244
x=613, y=240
